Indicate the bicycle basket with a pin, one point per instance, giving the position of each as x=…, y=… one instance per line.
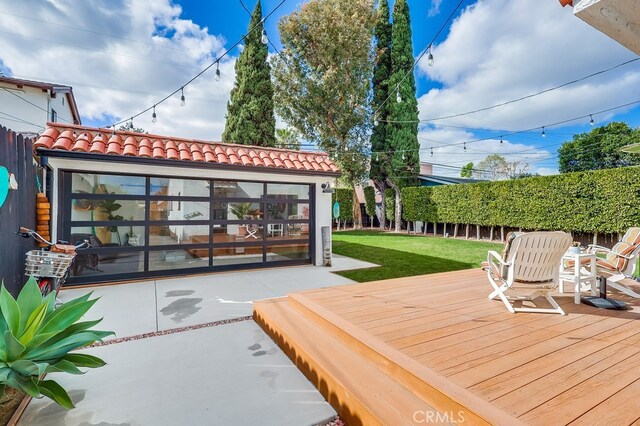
x=42, y=263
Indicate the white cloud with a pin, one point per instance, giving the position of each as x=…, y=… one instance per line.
x=435, y=7
x=153, y=52
x=499, y=50
x=448, y=159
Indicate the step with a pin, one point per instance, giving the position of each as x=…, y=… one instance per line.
x=434, y=389
x=360, y=393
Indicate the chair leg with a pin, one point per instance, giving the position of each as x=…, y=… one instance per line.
x=499, y=291
x=624, y=289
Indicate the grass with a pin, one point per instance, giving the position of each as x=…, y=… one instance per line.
x=401, y=255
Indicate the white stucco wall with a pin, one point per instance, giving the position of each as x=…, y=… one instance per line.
x=322, y=200
x=21, y=116
x=619, y=19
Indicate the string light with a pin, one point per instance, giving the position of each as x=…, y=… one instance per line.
x=182, y=101
x=217, y=71
x=398, y=98
x=501, y=140
x=377, y=158
x=402, y=155
x=432, y=152
x=591, y=119
x=430, y=57
x=544, y=134
x=464, y=147
x=353, y=157
x=375, y=120
x=264, y=39
x=154, y=117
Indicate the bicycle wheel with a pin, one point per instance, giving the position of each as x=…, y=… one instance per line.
x=45, y=285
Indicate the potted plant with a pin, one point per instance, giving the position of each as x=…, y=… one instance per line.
x=36, y=339
x=109, y=207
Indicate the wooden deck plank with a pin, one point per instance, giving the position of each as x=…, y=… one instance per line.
x=627, y=409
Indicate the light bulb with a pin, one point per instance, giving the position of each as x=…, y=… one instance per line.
x=217, y=72
x=544, y=134
x=264, y=39
x=359, y=139
x=464, y=147
x=591, y=121
x=182, y=101
x=377, y=158
x=432, y=152
x=430, y=58
x=398, y=98
x=154, y=117
x=375, y=121
x=346, y=147
x=500, y=140
x=402, y=155
x=353, y=157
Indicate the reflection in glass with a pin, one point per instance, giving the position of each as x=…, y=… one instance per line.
x=233, y=189
x=237, y=211
x=179, y=210
x=102, y=210
x=178, y=259
x=237, y=233
x=102, y=262
x=164, y=235
x=288, y=252
x=287, y=211
x=179, y=187
x=289, y=191
x=109, y=236
x=88, y=183
x=237, y=255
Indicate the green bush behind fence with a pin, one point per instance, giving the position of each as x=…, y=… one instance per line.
x=602, y=201
x=344, y=196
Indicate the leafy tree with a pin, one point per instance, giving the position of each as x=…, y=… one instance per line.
x=288, y=139
x=322, y=80
x=128, y=127
x=599, y=149
x=402, y=131
x=250, y=118
x=496, y=167
x=467, y=171
x=381, y=74
x=370, y=202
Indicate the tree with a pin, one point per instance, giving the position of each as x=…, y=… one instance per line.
x=402, y=131
x=599, y=149
x=370, y=202
x=128, y=127
x=287, y=139
x=496, y=167
x=322, y=80
x=250, y=118
x=381, y=74
x=467, y=171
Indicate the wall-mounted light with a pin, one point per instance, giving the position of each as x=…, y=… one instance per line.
x=327, y=189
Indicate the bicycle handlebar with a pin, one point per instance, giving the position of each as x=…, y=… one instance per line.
x=26, y=233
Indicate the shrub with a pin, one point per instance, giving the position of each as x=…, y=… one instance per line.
x=344, y=196
x=37, y=339
x=370, y=201
x=390, y=204
x=603, y=201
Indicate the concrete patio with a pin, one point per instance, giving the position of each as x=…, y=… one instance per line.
x=227, y=372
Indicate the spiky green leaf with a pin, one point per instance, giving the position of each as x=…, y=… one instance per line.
x=51, y=389
x=64, y=366
x=33, y=323
x=28, y=300
x=14, y=348
x=85, y=360
x=10, y=310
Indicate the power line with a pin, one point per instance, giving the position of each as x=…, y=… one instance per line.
x=18, y=119
x=217, y=61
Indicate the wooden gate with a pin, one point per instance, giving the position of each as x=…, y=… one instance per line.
x=19, y=208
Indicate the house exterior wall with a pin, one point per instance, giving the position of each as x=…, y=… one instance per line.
x=322, y=200
x=23, y=117
x=618, y=19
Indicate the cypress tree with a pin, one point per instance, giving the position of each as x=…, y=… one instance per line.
x=250, y=118
x=402, y=131
x=381, y=74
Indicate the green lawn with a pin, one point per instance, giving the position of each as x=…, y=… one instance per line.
x=402, y=255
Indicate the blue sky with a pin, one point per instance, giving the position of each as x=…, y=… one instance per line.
x=493, y=51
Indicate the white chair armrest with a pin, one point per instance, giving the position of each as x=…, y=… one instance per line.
x=594, y=248
x=493, y=255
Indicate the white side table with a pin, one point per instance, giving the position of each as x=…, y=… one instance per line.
x=583, y=273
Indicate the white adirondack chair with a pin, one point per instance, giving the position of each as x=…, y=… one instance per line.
x=528, y=269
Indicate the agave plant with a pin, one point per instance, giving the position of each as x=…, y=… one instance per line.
x=36, y=338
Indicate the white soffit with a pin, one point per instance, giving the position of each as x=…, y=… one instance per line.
x=619, y=19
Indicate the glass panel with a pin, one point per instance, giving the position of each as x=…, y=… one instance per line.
x=179, y=187
x=101, y=262
x=87, y=183
x=179, y=210
x=178, y=259
x=232, y=189
x=287, y=211
x=99, y=210
x=288, y=252
x=287, y=190
x=287, y=231
x=164, y=235
x=237, y=211
x=237, y=233
x=237, y=255
x=109, y=236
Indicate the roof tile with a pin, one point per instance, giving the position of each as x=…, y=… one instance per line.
x=96, y=141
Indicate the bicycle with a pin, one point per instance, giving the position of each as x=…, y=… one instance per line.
x=50, y=266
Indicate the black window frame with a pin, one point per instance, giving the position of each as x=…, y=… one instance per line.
x=64, y=225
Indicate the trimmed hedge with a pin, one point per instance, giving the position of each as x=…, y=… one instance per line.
x=390, y=204
x=370, y=201
x=345, y=199
x=603, y=201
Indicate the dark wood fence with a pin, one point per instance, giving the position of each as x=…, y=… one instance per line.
x=18, y=210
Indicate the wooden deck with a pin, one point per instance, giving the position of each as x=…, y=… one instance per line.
x=399, y=351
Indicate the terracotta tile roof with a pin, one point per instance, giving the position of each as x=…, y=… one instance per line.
x=102, y=141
